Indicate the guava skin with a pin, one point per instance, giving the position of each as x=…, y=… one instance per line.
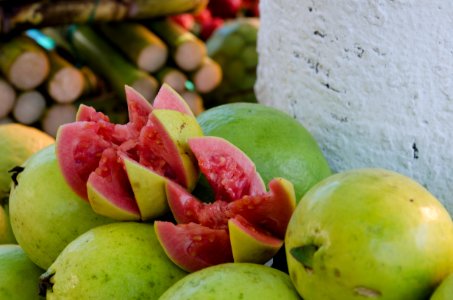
x=445, y=290
x=116, y=261
x=45, y=213
x=233, y=281
x=369, y=233
x=6, y=232
x=277, y=144
x=19, y=276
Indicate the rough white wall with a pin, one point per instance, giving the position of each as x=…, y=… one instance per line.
x=372, y=80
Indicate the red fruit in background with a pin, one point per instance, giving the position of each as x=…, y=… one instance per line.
x=208, y=28
x=187, y=21
x=259, y=218
x=224, y=8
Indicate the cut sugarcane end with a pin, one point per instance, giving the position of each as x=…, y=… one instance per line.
x=29, y=107
x=195, y=102
x=190, y=54
x=29, y=70
x=146, y=86
x=152, y=58
x=67, y=85
x=175, y=79
x=208, y=77
x=57, y=115
x=7, y=98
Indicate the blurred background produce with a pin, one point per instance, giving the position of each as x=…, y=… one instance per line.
x=55, y=55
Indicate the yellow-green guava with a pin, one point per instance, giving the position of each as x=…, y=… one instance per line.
x=229, y=281
x=19, y=276
x=17, y=143
x=45, y=213
x=115, y=261
x=445, y=290
x=278, y=144
x=369, y=233
x=6, y=232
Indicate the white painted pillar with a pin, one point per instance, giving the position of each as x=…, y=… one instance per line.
x=372, y=80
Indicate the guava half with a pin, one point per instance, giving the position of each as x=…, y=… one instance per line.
x=243, y=223
x=121, y=169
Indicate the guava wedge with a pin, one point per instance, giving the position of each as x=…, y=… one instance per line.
x=121, y=169
x=252, y=220
x=250, y=244
x=218, y=158
x=192, y=246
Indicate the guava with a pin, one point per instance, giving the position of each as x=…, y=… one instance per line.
x=17, y=143
x=233, y=281
x=6, y=232
x=45, y=213
x=243, y=223
x=116, y=261
x=121, y=169
x=278, y=144
x=445, y=290
x=369, y=233
x=19, y=276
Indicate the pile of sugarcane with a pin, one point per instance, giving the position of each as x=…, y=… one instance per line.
x=47, y=71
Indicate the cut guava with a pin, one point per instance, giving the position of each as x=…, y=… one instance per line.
x=192, y=246
x=252, y=220
x=250, y=244
x=121, y=168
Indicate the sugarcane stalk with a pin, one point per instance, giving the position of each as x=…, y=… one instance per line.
x=92, y=83
x=173, y=77
x=65, y=83
x=145, y=49
x=57, y=115
x=194, y=100
x=29, y=107
x=19, y=16
x=186, y=49
x=207, y=77
x=109, y=63
x=23, y=62
x=7, y=98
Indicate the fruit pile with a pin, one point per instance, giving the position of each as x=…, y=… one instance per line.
x=237, y=203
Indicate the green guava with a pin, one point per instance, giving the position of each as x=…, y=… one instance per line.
x=6, y=232
x=369, y=233
x=115, y=261
x=17, y=143
x=233, y=281
x=19, y=276
x=45, y=213
x=445, y=290
x=278, y=144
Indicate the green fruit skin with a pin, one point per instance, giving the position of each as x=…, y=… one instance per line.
x=233, y=281
x=19, y=276
x=445, y=290
x=115, y=261
x=45, y=213
x=6, y=232
x=277, y=144
x=379, y=233
x=17, y=143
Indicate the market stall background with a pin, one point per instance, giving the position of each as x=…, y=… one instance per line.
x=56, y=55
